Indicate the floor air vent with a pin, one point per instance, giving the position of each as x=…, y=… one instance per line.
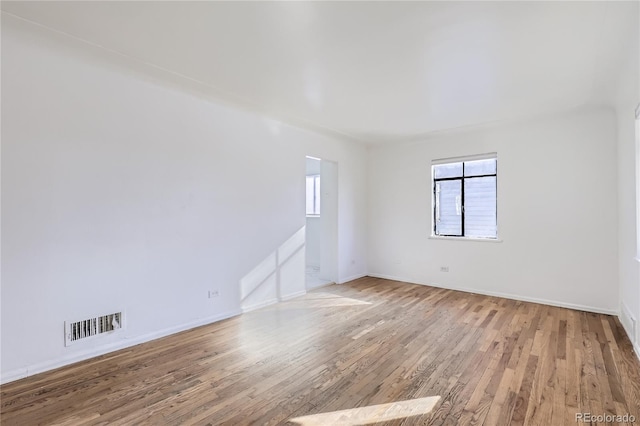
x=79, y=330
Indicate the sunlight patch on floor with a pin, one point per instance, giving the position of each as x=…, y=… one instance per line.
x=317, y=300
x=370, y=414
x=367, y=330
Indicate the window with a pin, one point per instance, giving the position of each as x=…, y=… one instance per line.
x=313, y=195
x=465, y=197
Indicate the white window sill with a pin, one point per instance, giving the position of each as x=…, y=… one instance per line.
x=484, y=240
x=313, y=215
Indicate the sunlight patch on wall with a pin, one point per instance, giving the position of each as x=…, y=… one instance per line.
x=278, y=276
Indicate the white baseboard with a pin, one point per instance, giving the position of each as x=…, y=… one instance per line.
x=506, y=296
x=628, y=322
x=31, y=370
x=262, y=304
x=293, y=295
x=351, y=278
x=316, y=287
x=273, y=301
x=629, y=325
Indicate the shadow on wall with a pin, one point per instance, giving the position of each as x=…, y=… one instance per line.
x=280, y=276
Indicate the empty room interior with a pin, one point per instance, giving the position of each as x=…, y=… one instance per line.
x=320, y=213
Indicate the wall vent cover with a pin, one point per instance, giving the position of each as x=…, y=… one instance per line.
x=91, y=327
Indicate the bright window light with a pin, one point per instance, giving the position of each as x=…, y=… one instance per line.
x=313, y=195
x=465, y=197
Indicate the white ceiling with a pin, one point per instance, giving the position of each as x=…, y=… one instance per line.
x=374, y=71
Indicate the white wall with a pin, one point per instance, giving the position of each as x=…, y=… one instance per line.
x=122, y=193
x=329, y=193
x=628, y=98
x=312, y=247
x=557, y=213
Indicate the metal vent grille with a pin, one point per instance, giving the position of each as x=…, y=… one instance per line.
x=91, y=327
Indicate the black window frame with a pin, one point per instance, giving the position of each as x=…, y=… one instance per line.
x=462, y=180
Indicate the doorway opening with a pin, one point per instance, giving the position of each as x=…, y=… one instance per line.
x=321, y=231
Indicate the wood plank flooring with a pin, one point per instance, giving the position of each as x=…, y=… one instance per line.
x=402, y=353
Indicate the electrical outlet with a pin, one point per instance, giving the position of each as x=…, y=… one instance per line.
x=213, y=293
x=444, y=269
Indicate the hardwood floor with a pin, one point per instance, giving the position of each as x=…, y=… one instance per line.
x=371, y=342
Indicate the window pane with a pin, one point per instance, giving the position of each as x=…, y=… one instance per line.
x=480, y=167
x=316, y=208
x=447, y=170
x=448, y=207
x=480, y=207
x=310, y=194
